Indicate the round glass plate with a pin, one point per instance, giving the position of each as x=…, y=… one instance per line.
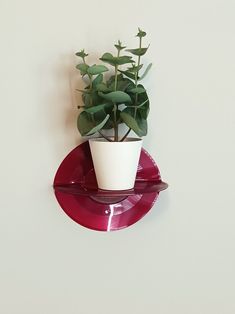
x=77, y=192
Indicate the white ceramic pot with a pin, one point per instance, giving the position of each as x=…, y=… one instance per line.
x=115, y=163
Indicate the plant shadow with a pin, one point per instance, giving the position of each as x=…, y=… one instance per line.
x=62, y=100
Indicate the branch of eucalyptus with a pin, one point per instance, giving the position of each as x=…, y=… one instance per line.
x=125, y=136
x=136, y=95
x=115, y=125
x=136, y=77
x=115, y=82
x=90, y=89
x=106, y=137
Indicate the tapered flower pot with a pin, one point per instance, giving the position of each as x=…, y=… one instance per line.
x=115, y=163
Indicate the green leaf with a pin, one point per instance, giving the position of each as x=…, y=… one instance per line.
x=143, y=125
x=87, y=99
x=84, y=123
x=128, y=74
x=138, y=51
x=116, y=97
x=146, y=71
x=111, y=80
x=81, y=54
x=97, y=69
x=102, y=88
x=110, y=59
x=124, y=60
x=91, y=98
x=135, y=68
x=97, y=80
x=96, y=99
x=99, y=126
x=142, y=104
x=83, y=67
x=109, y=124
x=141, y=33
x=137, y=90
x=119, y=46
x=138, y=125
x=122, y=84
x=94, y=109
x=143, y=111
x=87, y=126
x=132, y=71
x=101, y=107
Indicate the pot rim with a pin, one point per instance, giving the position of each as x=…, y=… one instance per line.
x=127, y=140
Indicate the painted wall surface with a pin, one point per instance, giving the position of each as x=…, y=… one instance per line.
x=180, y=258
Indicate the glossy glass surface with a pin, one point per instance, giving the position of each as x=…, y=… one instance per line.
x=77, y=193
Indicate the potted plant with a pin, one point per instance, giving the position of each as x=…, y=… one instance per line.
x=114, y=96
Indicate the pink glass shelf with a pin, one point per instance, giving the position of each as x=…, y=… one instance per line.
x=77, y=192
x=141, y=187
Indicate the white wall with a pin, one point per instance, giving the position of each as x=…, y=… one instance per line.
x=180, y=258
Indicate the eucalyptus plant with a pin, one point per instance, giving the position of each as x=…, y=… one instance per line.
x=116, y=98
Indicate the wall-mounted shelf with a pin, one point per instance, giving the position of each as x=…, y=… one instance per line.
x=141, y=187
x=77, y=192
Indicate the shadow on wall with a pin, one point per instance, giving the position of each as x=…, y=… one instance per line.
x=160, y=207
x=61, y=101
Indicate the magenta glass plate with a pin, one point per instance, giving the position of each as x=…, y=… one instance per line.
x=77, y=192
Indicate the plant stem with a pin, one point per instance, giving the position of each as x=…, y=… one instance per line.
x=136, y=79
x=115, y=82
x=124, y=137
x=90, y=89
x=106, y=137
x=136, y=95
x=115, y=124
